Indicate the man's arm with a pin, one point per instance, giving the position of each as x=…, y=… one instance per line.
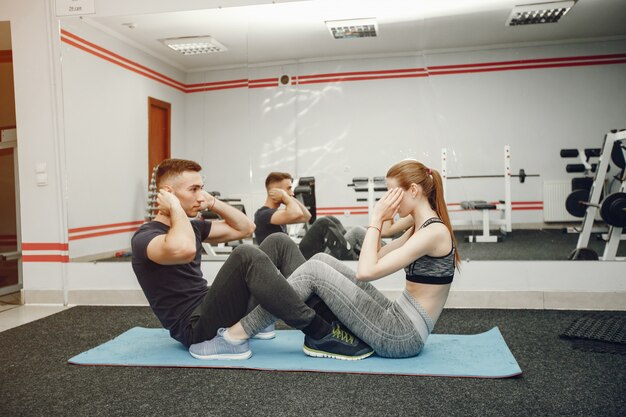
x=235, y=225
x=178, y=245
x=305, y=211
x=294, y=211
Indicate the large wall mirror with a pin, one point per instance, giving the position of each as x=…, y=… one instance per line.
x=452, y=84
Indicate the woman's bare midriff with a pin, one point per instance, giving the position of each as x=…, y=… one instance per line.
x=431, y=297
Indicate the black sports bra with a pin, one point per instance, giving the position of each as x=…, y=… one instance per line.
x=438, y=270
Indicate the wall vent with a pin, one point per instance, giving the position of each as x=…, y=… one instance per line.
x=532, y=14
x=353, y=28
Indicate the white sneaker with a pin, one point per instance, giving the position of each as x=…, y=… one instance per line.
x=219, y=348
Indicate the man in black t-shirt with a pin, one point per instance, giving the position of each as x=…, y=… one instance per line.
x=326, y=234
x=166, y=261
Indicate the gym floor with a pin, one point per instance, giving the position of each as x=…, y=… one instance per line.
x=557, y=380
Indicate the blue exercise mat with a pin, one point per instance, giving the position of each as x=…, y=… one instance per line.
x=484, y=355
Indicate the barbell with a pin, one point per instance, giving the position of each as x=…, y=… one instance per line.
x=612, y=208
x=522, y=175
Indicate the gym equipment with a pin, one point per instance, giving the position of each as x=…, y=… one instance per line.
x=522, y=175
x=504, y=206
x=576, y=203
x=370, y=186
x=617, y=155
x=484, y=207
x=483, y=355
x=612, y=208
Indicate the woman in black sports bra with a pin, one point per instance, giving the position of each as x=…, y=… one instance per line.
x=426, y=251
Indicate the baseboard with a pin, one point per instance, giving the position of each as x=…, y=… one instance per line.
x=524, y=300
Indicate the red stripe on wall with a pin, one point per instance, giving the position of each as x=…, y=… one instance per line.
x=264, y=80
x=108, y=232
x=105, y=226
x=542, y=63
x=121, y=58
x=45, y=258
x=217, y=83
x=528, y=61
x=513, y=68
x=45, y=246
x=99, y=55
x=380, y=72
x=225, y=87
x=343, y=79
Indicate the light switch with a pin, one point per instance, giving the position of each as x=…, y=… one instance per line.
x=40, y=168
x=42, y=179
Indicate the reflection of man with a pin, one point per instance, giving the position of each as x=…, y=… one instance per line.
x=326, y=234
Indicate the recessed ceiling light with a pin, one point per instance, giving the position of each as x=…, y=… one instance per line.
x=192, y=45
x=530, y=14
x=353, y=28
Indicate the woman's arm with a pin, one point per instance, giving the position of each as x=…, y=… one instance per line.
x=391, y=228
x=415, y=246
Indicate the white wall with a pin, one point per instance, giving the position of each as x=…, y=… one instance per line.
x=106, y=134
x=336, y=131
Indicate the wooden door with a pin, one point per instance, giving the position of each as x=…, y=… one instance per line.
x=9, y=254
x=159, y=116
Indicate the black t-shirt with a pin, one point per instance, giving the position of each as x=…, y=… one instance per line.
x=173, y=291
x=264, y=227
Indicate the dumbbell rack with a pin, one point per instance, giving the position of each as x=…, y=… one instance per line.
x=614, y=234
x=151, y=205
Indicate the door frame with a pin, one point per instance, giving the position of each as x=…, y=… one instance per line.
x=153, y=102
x=17, y=287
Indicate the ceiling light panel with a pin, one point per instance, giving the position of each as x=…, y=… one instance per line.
x=531, y=14
x=353, y=28
x=193, y=45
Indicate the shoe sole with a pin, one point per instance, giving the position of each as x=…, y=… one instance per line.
x=264, y=335
x=321, y=354
x=223, y=356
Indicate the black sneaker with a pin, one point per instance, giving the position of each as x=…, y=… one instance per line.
x=321, y=309
x=338, y=344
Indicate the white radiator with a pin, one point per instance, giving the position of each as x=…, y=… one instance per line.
x=554, y=195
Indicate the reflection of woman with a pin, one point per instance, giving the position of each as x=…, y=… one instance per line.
x=427, y=252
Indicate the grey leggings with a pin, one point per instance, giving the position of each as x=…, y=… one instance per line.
x=395, y=329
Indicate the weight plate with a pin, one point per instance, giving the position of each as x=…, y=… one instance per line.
x=617, y=156
x=573, y=203
x=613, y=210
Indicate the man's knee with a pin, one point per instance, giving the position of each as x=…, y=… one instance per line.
x=277, y=239
x=244, y=253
